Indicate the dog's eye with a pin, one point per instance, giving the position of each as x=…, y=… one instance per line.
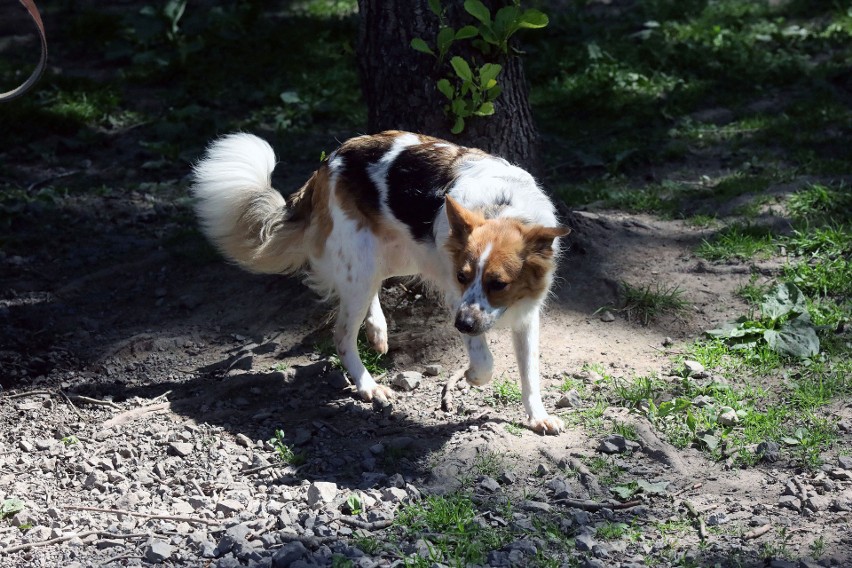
x=497, y=285
x=462, y=277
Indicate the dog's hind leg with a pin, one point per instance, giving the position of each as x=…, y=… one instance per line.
x=377, y=326
x=525, y=339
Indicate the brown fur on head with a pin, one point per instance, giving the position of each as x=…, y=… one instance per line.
x=512, y=259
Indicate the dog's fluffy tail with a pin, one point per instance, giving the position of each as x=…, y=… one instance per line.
x=240, y=211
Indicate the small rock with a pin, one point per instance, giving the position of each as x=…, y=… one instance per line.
x=489, y=484
x=288, y=554
x=817, y=503
x=607, y=316
x=407, y=380
x=668, y=342
x=25, y=446
x=845, y=462
x=702, y=400
x=158, y=551
x=181, y=449
x=542, y=470
x=320, y=493
x=337, y=379
x=394, y=495
x=768, y=451
x=716, y=519
x=433, y=370
x=229, y=507
x=584, y=541
x=615, y=444
x=570, y=399
x=508, y=478
x=693, y=368
x=727, y=417
x=243, y=363
x=790, y=502
x=537, y=506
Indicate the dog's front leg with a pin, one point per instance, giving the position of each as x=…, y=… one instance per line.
x=481, y=361
x=525, y=339
x=353, y=308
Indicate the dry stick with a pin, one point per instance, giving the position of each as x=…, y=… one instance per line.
x=132, y=414
x=146, y=516
x=71, y=536
x=692, y=487
x=89, y=400
x=109, y=561
x=447, y=404
x=758, y=532
x=374, y=526
x=71, y=404
x=592, y=506
x=26, y=394
x=699, y=520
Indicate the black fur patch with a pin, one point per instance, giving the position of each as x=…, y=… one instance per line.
x=356, y=159
x=418, y=180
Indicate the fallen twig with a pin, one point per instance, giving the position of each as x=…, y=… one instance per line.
x=26, y=394
x=698, y=519
x=71, y=536
x=146, y=516
x=447, y=404
x=692, y=487
x=109, y=561
x=592, y=506
x=89, y=400
x=367, y=526
x=757, y=532
x=71, y=404
x=132, y=414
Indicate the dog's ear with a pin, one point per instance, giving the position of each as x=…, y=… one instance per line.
x=462, y=221
x=540, y=239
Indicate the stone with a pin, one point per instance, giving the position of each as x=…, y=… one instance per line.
x=321, y=493
x=180, y=449
x=229, y=507
x=507, y=478
x=337, y=379
x=158, y=552
x=727, y=417
x=616, y=444
x=394, y=495
x=570, y=399
x=790, y=502
x=536, y=506
x=584, y=541
x=489, y=484
x=693, y=368
x=845, y=462
x=407, y=381
x=233, y=535
x=433, y=370
x=817, y=503
x=768, y=451
x=607, y=316
x=702, y=400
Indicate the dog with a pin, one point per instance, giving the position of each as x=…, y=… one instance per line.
x=474, y=226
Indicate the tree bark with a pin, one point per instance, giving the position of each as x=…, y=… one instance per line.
x=399, y=83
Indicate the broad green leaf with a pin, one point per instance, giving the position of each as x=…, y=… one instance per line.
x=791, y=441
x=652, y=488
x=459, y=108
x=10, y=507
x=290, y=97
x=445, y=88
x=485, y=109
x=783, y=299
x=458, y=126
x=488, y=73
x=467, y=32
x=624, y=491
x=533, y=19
x=494, y=92
x=445, y=39
x=796, y=337
x=461, y=68
x=506, y=21
x=709, y=440
x=488, y=35
x=435, y=6
x=419, y=45
x=478, y=10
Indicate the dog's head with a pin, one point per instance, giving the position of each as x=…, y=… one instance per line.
x=499, y=262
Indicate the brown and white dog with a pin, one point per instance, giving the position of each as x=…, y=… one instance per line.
x=396, y=204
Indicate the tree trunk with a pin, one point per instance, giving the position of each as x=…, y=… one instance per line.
x=399, y=83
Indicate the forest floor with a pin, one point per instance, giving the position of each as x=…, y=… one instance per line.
x=161, y=406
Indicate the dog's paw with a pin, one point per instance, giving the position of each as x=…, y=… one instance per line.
x=547, y=425
x=478, y=377
x=377, y=337
x=379, y=393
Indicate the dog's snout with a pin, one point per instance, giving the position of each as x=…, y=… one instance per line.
x=465, y=322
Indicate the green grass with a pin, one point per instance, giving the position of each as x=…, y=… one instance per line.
x=504, y=391
x=738, y=242
x=649, y=302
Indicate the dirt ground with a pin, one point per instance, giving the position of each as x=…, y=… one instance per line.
x=120, y=329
